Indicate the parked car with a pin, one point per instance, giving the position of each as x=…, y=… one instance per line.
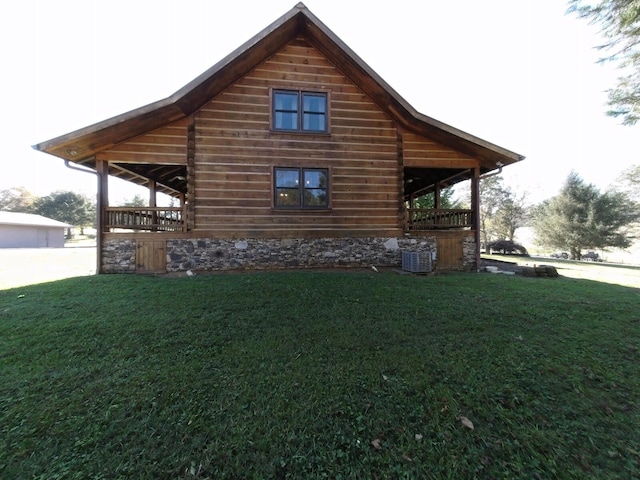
x=564, y=255
x=591, y=257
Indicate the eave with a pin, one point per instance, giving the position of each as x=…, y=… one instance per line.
x=82, y=145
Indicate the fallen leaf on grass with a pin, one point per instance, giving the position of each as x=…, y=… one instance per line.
x=407, y=458
x=377, y=444
x=418, y=436
x=385, y=378
x=466, y=422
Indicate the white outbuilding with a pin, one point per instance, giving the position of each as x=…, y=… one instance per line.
x=25, y=230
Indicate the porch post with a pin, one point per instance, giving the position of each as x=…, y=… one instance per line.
x=183, y=207
x=153, y=204
x=102, y=168
x=436, y=197
x=475, y=208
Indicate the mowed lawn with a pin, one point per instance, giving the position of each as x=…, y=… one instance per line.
x=320, y=374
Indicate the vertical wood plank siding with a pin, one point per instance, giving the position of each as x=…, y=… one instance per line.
x=236, y=152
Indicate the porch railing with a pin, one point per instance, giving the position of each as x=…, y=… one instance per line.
x=431, y=218
x=155, y=219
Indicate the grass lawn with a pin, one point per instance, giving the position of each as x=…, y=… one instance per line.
x=613, y=273
x=314, y=374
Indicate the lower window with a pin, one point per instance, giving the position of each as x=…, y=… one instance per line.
x=301, y=187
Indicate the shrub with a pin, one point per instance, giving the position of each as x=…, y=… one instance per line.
x=506, y=247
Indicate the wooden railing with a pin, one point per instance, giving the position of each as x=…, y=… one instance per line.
x=155, y=219
x=430, y=218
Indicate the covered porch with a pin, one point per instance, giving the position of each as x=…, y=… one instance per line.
x=421, y=182
x=172, y=180
x=167, y=179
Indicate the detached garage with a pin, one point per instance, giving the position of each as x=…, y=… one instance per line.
x=24, y=230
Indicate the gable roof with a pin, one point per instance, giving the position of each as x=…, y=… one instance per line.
x=29, y=219
x=82, y=145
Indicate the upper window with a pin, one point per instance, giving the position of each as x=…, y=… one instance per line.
x=296, y=111
x=301, y=187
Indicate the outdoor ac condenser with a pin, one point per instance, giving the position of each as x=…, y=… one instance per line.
x=417, y=262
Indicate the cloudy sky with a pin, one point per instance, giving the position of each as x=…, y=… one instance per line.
x=519, y=73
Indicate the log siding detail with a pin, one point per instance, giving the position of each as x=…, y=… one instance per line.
x=166, y=145
x=236, y=151
x=419, y=151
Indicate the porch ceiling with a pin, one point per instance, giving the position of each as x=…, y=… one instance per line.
x=170, y=179
x=424, y=180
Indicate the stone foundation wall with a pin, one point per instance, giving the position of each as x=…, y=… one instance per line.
x=119, y=256
x=469, y=253
x=250, y=254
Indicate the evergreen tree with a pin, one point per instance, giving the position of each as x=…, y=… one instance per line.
x=447, y=199
x=136, y=201
x=580, y=217
x=619, y=21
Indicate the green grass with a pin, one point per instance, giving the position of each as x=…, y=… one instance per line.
x=295, y=374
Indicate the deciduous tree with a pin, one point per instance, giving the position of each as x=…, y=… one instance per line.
x=491, y=197
x=69, y=207
x=510, y=215
x=17, y=199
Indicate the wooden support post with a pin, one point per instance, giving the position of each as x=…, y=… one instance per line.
x=102, y=200
x=183, y=206
x=437, y=203
x=475, y=208
x=102, y=167
x=153, y=204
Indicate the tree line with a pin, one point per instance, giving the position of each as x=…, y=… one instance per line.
x=580, y=217
x=65, y=206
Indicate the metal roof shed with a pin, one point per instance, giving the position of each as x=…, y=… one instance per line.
x=25, y=230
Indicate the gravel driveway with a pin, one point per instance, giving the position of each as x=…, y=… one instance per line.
x=27, y=266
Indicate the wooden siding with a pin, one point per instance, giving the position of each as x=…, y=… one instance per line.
x=236, y=152
x=424, y=153
x=151, y=256
x=163, y=146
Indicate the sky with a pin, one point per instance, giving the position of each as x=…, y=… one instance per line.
x=521, y=74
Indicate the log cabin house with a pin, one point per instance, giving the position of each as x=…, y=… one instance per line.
x=289, y=152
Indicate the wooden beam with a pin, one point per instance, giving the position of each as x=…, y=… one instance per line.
x=475, y=206
x=440, y=163
x=102, y=168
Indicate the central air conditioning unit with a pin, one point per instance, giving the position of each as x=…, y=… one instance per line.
x=417, y=262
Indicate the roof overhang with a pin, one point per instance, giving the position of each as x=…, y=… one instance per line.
x=81, y=146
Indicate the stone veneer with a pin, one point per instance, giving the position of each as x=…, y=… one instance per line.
x=119, y=256
x=251, y=254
